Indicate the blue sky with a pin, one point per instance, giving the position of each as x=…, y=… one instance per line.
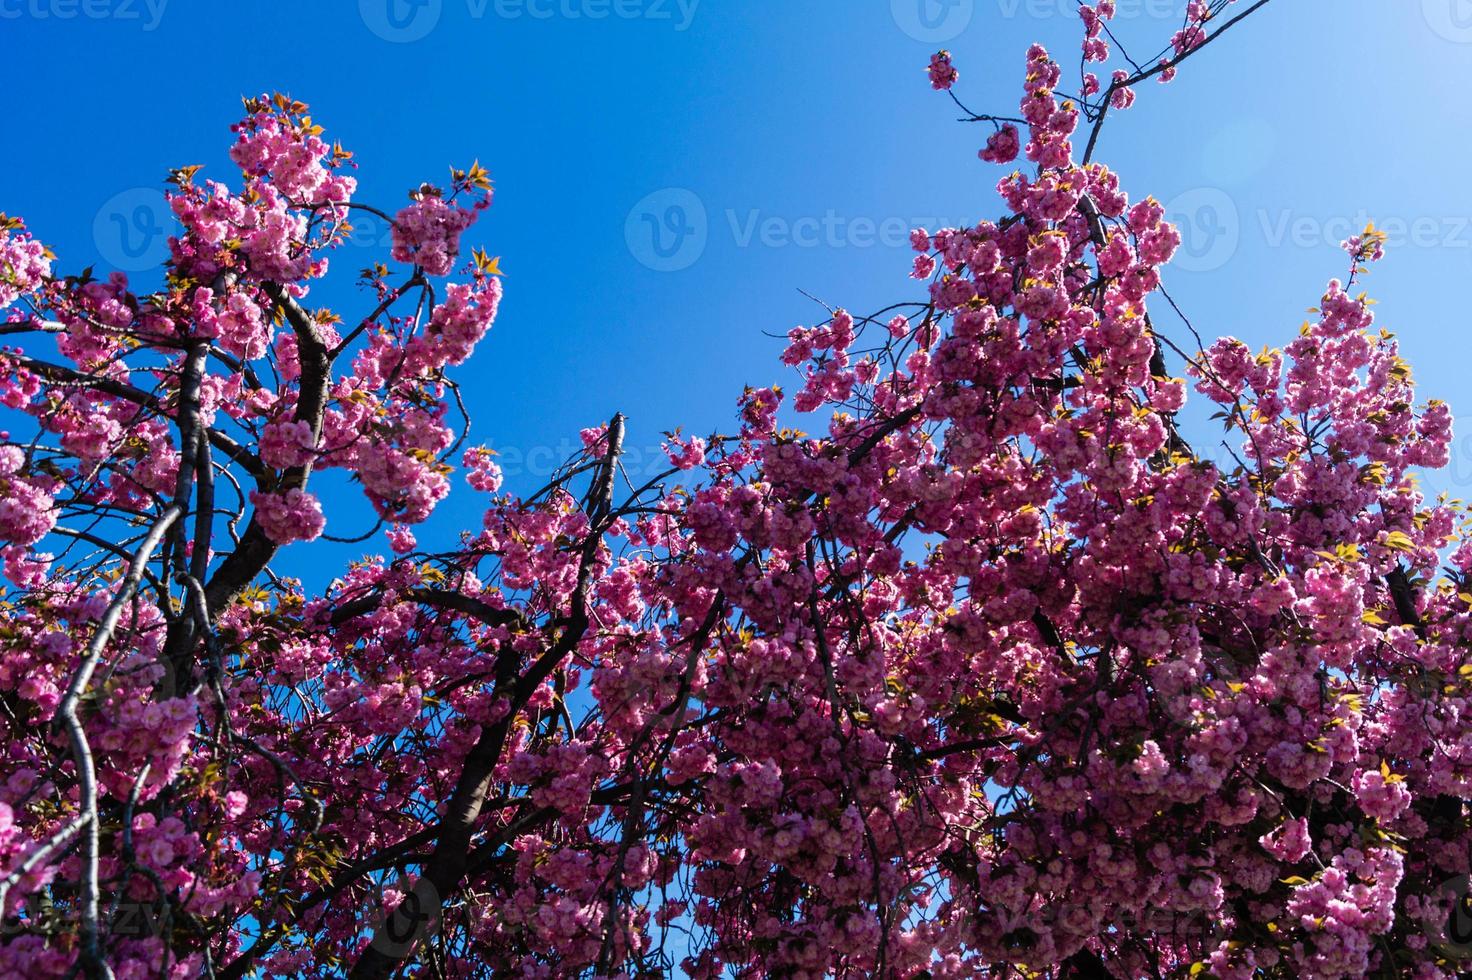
x=775, y=146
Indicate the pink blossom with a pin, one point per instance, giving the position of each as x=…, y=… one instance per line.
x=942, y=73
x=291, y=516
x=24, y=263
x=428, y=232
x=1003, y=145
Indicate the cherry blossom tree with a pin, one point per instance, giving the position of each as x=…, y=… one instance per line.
x=997, y=674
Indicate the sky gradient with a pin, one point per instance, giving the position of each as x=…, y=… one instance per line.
x=673, y=175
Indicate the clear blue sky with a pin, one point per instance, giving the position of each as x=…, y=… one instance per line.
x=805, y=132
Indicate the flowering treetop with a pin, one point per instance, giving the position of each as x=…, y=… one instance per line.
x=994, y=673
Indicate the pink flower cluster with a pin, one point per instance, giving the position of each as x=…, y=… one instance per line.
x=428, y=232
x=685, y=454
x=456, y=326
x=284, y=147
x=286, y=444
x=237, y=322
x=24, y=263
x=481, y=470
x=1003, y=145
x=27, y=509
x=943, y=74
x=294, y=515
